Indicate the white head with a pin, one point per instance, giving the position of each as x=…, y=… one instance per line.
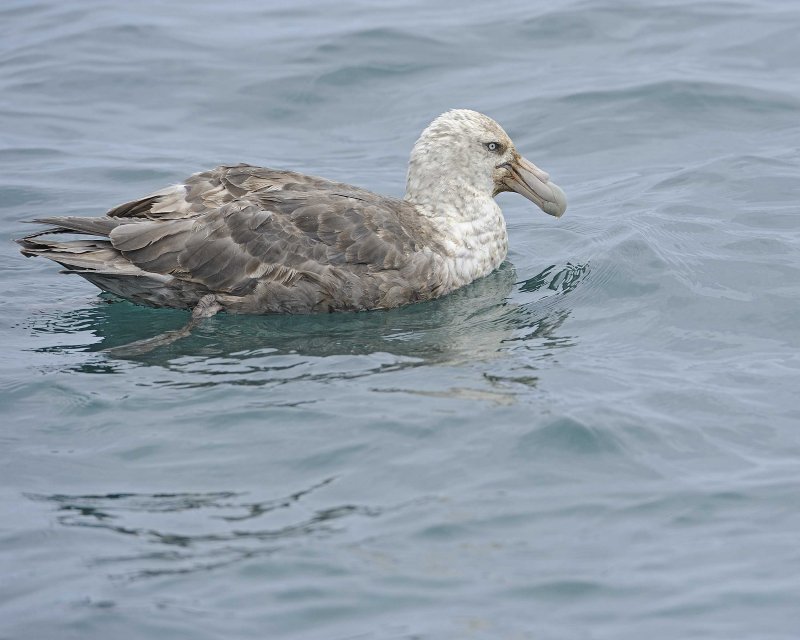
x=468, y=151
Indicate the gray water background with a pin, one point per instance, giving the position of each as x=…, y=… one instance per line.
x=601, y=440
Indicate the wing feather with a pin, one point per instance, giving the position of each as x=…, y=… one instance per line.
x=238, y=229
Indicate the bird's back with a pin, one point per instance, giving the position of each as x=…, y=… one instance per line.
x=261, y=240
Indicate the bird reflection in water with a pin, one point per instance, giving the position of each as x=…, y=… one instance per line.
x=477, y=322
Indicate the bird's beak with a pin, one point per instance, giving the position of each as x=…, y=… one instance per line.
x=528, y=180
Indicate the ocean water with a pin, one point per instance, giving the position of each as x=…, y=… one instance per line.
x=601, y=440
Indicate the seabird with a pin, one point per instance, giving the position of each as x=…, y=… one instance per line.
x=247, y=239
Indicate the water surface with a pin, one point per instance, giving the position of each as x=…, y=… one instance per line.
x=600, y=440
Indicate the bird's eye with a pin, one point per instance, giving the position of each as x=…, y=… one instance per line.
x=494, y=147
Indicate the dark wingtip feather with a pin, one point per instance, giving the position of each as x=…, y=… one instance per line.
x=76, y=224
x=32, y=248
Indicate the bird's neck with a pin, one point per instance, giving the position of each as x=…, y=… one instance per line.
x=468, y=225
x=438, y=195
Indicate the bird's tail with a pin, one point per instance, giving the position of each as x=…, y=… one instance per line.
x=74, y=255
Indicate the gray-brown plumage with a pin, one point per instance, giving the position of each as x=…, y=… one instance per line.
x=247, y=239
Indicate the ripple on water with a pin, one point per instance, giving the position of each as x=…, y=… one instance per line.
x=567, y=436
x=194, y=532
